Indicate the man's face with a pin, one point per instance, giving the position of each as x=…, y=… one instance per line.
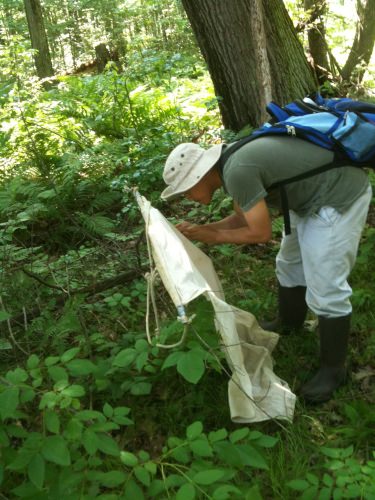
x=201, y=192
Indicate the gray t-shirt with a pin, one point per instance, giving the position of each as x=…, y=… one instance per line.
x=252, y=169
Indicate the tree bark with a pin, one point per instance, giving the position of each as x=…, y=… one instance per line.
x=38, y=37
x=316, y=36
x=363, y=45
x=253, y=56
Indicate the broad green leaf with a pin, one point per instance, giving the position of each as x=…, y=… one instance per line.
x=186, y=492
x=112, y=478
x=312, y=492
x=9, y=400
x=132, y=491
x=4, y=315
x=52, y=421
x=89, y=441
x=128, y=458
x=141, y=360
x=51, y=360
x=55, y=450
x=172, y=359
x=73, y=430
x=36, y=470
x=254, y=493
x=108, y=410
x=208, y=476
x=57, y=373
x=225, y=492
x=201, y=447
x=191, y=367
x=80, y=367
x=48, y=400
x=252, y=457
x=17, y=376
x=124, y=358
x=107, y=445
x=70, y=354
x=298, y=484
x=74, y=391
x=194, y=430
x=141, y=388
x=27, y=395
x=142, y=475
x=238, y=434
x=32, y=362
x=218, y=435
x=22, y=459
x=141, y=345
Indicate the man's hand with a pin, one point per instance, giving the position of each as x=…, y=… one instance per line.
x=195, y=232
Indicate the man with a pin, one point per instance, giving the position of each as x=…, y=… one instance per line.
x=327, y=213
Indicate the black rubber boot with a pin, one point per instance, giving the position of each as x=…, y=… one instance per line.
x=292, y=310
x=334, y=337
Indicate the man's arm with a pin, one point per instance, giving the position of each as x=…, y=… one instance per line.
x=253, y=226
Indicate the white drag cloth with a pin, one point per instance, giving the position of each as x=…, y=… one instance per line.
x=255, y=392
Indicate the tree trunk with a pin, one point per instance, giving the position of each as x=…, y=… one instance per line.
x=38, y=37
x=363, y=44
x=316, y=36
x=253, y=55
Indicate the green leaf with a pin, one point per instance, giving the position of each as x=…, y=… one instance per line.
x=312, y=492
x=9, y=400
x=73, y=430
x=78, y=367
x=298, y=484
x=112, y=478
x=172, y=359
x=108, y=410
x=186, y=492
x=17, y=376
x=4, y=315
x=141, y=345
x=36, y=471
x=218, y=435
x=74, y=391
x=107, y=445
x=32, y=362
x=238, y=434
x=254, y=493
x=124, y=358
x=201, y=447
x=57, y=373
x=142, y=475
x=191, y=367
x=208, y=476
x=252, y=457
x=141, y=360
x=27, y=395
x=89, y=441
x=128, y=458
x=225, y=492
x=70, y=354
x=132, y=491
x=52, y=421
x=51, y=360
x=141, y=388
x=194, y=430
x=55, y=450
x=22, y=459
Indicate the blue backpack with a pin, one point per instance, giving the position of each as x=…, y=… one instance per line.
x=344, y=126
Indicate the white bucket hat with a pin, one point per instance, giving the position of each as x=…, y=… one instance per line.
x=185, y=167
